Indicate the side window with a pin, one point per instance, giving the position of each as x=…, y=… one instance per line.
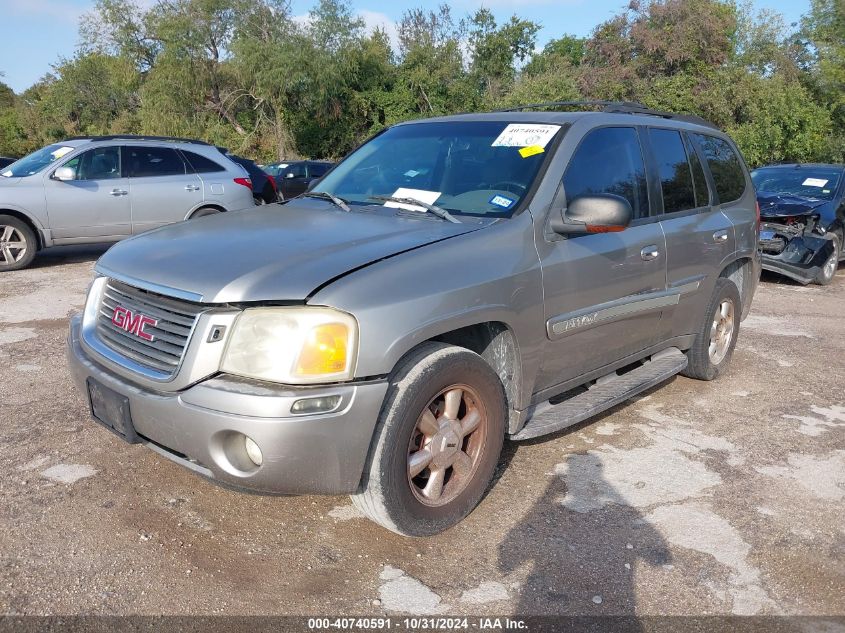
x=201, y=164
x=101, y=163
x=702, y=193
x=153, y=161
x=296, y=170
x=609, y=160
x=673, y=169
x=724, y=166
x=317, y=170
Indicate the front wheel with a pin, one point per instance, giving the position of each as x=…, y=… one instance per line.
x=828, y=270
x=713, y=347
x=17, y=244
x=436, y=444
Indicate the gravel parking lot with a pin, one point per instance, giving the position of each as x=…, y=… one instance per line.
x=697, y=498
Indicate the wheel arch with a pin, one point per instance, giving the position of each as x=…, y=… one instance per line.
x=741, y=272
x=496, y=343
x=205, y=205
x=30, y=222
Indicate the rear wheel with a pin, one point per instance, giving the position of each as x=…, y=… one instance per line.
x=831, y=264
x=17, y=243
x=713, y=347
x=437, y=442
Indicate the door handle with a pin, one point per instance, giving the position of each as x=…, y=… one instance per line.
x=192, y=187
x=720, y=236
x=649, y=253
x=117, y=192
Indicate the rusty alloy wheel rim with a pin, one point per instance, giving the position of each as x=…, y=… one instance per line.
x=446, y=445
x=721, y=331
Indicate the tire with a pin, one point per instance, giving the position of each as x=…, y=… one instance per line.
x=828, y=270
x=18, y=244
x=408, y=504
x=259, y=201
x=703, y=364
x=269, y=194
x=205, y=212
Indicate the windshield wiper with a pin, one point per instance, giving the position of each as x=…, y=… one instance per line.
x=323, y=195
x=435, y=210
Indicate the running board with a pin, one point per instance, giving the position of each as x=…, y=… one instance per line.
x=604, y=393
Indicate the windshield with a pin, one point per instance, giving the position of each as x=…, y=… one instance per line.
x=482, y=168
x=35, y=162
x=814, y=183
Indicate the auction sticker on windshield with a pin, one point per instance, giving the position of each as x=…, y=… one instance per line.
x=526, y=135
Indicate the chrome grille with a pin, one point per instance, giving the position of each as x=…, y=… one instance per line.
x=175, y=318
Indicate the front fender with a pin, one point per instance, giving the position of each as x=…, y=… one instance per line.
x=491, y=275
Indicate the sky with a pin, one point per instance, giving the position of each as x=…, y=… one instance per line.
x=35, y=34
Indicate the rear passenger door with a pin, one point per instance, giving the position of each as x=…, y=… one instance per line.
x=161, y=189
x=699, y=237
x=604, y=292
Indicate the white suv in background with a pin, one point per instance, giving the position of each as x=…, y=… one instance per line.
x=106, y=188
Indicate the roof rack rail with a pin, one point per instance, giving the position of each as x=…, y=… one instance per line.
x=570, y=104
x=618, y=107
x=136, y=137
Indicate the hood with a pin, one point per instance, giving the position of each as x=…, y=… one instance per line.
x=786, y=205
x=275, y=252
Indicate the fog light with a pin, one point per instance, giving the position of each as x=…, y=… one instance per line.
x=252, y=451
x=316, y=405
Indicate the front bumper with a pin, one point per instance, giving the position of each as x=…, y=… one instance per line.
x=800, y=259
x=302, y=454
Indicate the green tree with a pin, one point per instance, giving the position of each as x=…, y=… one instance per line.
x=496, y=51
x=431, y=74
x=824, y=31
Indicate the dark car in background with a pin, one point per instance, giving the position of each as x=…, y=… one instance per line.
x=294, y=177
x=5, y=161
x=802, y=215
x=264, y=188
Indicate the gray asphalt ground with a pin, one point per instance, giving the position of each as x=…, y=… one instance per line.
x=696, y=498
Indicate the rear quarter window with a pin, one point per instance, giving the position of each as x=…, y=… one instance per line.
x=201, y=164
x=724, y=165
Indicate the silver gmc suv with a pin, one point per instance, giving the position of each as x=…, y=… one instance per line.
x=452, y=283
x=106, y=188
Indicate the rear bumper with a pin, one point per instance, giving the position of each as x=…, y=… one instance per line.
x=201, y=428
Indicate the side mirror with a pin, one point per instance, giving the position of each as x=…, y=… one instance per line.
x=64, y=174
x=596, y=213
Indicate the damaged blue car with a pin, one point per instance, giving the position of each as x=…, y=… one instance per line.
x=802, y=219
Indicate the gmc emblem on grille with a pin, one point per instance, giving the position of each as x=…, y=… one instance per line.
x=133, y=323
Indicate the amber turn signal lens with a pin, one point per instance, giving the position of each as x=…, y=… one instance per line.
x=325, y=350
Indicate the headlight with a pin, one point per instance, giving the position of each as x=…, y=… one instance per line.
x=293, y=345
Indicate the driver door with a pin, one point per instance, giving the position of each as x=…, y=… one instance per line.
x=94, y=206
x=294, y=180
x=604, y=292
